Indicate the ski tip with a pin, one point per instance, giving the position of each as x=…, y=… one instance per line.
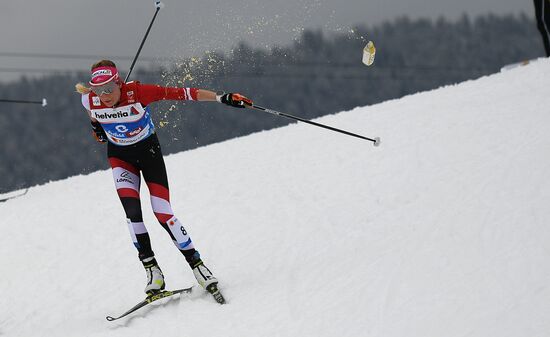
x=110, y=319
x=377, y=141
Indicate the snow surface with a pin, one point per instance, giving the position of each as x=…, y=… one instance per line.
x=443, y=230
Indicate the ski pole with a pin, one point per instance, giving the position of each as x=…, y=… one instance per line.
x=375, y=140
x=158, y=5
x=43, y=102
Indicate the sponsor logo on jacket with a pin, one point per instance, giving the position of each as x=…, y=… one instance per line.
x=111, y=115
x=96, y=101
x=134, y=132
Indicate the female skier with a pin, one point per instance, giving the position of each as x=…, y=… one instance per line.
x=120, y=116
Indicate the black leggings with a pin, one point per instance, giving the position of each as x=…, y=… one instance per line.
x=128, y=163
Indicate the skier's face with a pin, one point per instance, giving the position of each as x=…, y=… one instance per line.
x=112, y=98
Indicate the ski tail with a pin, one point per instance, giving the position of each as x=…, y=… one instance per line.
x=150, y=299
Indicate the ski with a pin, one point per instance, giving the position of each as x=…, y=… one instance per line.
x=150, y=299
x=215, y=292
x=14, y=195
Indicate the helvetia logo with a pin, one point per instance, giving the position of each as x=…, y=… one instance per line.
x=115, y=114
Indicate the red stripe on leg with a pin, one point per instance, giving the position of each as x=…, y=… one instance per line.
x=159, y=191
x=115, y=162
x=164, y=217
x=127, y=193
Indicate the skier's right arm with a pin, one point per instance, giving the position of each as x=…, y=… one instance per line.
x=97, y=130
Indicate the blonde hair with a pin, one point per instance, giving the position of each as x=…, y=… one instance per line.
x=81, y=88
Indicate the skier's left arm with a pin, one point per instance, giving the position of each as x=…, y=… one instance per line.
x=231, y=99
x=234, y=99
x=151, y=93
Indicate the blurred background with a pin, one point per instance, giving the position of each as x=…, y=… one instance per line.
x=302, y=57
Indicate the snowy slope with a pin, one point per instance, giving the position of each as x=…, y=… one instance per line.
x=443, y=230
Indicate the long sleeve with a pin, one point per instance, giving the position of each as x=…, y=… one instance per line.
x=149, y=93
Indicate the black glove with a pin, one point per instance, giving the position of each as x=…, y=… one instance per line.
x=234, y=100
x=98, y=132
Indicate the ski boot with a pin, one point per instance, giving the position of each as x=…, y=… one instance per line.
x=205, y=278
x=155, y=278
